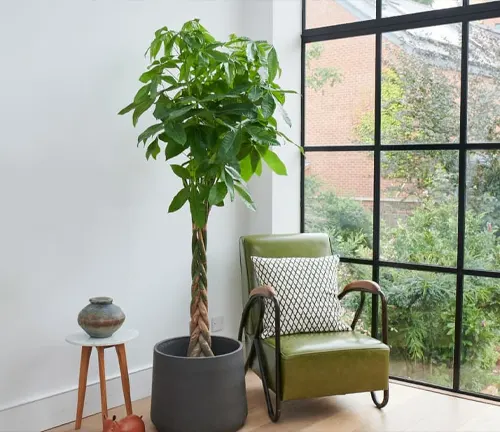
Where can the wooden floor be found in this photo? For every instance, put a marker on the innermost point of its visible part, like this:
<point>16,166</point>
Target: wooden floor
<point>409,409</point>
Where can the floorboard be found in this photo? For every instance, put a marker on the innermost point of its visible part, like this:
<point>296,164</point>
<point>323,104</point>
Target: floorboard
<point>410,409</point>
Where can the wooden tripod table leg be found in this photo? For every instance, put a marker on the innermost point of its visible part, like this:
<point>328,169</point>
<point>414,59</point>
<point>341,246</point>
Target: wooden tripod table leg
<point>82,384</point>
<point>102,382</point>
<point>122,360</point>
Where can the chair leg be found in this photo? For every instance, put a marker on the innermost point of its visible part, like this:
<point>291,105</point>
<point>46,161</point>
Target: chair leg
<point>384,402</point>
<point>274,413</point>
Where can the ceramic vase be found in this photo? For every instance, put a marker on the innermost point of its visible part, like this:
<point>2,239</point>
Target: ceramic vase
<point>101,318</point>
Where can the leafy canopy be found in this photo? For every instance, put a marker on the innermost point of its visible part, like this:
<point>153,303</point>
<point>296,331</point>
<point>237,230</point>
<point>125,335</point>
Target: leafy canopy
<point>215,103</point>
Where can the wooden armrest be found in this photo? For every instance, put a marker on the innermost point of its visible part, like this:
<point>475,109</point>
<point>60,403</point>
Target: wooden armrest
<point>363,286</point>
<point>370,287</point>
<point>264,290</point>
<point>259,295</point>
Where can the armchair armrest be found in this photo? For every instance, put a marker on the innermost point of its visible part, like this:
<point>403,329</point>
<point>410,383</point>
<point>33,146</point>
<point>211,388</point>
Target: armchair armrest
<point>365,286</point>
<point>259,295</point>
<point>264,290</point>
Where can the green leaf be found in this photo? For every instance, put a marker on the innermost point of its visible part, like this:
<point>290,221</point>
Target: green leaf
<point>246,109</point>
<point>149,132</point>
<point>251,51</point>
<point>153,149</point>
<point>285,116</point>
<point>155,48</point>
<point>128,108</point>
<point>181,172</point>
<point>142,94</point>
<point>185,70</point>
<point>170,80</point>
<point>233,173</point>
<point>150,74</point>
<point>245,196</point>
<point>272,64</point>
<point>172,149</point>
<point>203,59</point>
<point>198,212</point>
<point>140,110</point>
<point>255,93</point>
<point>282,135</point>
<point>229,68</point>
<point>230,145</point>
<point>179,112</point>
<point>258,168</point>
<point>246,168</point>
<point>280,96</point>
<point>256,161</point>
<point>273,161</point>
<point>228,180</point>
<point>179,200</point>
<point>220,57</point>
<point>268,105</point>
<point>217,193</point>
<point>168,45</point>
<point>262,135</point>
<point>176,132</point>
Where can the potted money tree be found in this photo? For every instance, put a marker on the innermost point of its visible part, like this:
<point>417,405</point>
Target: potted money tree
<point>213,108</point>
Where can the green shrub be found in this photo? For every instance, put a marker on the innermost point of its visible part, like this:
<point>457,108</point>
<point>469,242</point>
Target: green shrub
<point>343,219</point>
<point>422,304</point>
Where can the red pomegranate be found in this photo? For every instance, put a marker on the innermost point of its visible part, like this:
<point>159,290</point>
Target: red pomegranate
<point>131,423</point>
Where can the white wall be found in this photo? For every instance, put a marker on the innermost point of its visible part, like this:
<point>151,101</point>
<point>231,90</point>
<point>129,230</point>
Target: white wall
<point>278,197</point>
<point>287,28</point>
<point>257,23</point>
<point>82,213</point>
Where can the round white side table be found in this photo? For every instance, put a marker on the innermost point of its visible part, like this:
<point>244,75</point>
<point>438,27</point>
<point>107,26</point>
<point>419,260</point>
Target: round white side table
<point>118,341</point>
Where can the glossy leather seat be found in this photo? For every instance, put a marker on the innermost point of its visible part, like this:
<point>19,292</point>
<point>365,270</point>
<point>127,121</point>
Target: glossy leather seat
<point>315,364</point>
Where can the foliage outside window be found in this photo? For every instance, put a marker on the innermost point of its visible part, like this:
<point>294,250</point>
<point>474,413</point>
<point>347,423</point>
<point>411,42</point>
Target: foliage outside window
<point>421,104</point>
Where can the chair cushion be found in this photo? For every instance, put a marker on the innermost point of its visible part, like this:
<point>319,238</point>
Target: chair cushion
<point>323,364</point>
<point>275,246</point>
<point>307,291</point>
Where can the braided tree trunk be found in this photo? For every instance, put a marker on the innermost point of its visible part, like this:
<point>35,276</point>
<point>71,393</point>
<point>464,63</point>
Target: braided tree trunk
<point>199,344</point>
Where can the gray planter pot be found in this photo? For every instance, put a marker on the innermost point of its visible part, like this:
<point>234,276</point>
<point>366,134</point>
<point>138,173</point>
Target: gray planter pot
<point>198,394</point>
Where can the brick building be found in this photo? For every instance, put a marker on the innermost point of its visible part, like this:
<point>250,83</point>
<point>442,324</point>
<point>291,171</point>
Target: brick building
<point>333,112</point>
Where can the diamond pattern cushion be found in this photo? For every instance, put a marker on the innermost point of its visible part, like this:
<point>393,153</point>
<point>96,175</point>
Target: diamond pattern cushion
<point>307,291</point>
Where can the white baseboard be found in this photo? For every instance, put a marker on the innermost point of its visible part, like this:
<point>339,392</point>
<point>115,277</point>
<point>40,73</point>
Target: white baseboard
<point>57,409</point>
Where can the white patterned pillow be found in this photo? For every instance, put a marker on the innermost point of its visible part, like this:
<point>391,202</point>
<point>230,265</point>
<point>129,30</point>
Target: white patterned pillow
<point>306,289</point>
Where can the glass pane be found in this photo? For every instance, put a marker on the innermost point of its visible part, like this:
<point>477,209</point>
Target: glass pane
<point>482,229</point>
<point>419,207</point>
<point>404,7</point>
<point>421,86</point>
<point>322,13</point>
<point>484,82</point>
<point>480,370</point>
<point>338,200</point>
<point>350,272</point>
<point>421,324</point>
<point>339,94</point>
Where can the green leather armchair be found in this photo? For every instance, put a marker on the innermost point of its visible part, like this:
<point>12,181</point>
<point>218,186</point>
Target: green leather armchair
<point>310,365</point>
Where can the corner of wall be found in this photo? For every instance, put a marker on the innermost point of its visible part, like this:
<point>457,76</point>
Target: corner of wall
<point>287,29</point>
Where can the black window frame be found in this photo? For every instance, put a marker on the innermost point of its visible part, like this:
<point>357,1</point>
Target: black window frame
<point>461,14</point>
